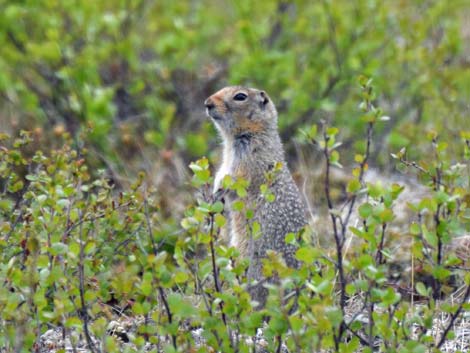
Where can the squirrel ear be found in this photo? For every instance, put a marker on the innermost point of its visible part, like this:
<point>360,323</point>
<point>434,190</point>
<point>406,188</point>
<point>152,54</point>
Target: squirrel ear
<point>264,98</point>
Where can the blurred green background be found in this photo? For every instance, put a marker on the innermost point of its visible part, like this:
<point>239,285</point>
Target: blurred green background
<point>128,78</point>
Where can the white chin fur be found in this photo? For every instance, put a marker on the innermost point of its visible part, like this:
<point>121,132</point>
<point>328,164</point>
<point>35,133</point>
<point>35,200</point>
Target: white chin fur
<point>227,164</point>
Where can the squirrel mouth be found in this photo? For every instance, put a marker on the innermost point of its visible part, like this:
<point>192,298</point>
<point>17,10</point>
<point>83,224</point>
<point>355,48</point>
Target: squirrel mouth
<point>213,114</point>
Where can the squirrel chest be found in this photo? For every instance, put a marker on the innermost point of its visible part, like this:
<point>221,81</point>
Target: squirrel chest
<point>246,119</point>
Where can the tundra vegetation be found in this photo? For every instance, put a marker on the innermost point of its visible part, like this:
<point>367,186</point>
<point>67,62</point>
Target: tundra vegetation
<point>109,234</point>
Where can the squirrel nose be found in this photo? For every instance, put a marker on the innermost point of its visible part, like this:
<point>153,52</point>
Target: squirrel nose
<point>209,103</point>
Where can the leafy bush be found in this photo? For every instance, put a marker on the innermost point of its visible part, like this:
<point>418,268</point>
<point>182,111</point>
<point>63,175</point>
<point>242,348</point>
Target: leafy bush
<point>76,255</point>
<point>138,71</point>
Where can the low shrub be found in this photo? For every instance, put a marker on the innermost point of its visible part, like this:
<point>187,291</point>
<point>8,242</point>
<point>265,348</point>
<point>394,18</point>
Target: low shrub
<point>77,256</point>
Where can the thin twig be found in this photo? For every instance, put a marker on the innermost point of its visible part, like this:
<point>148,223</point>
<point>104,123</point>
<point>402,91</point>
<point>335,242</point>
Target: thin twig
<point>371,322</point>
<point>279,344</point>
<point>421,169</point>
<point>199,285</point>
<point>362,167</point>
<point>338,241</point>
<point>81,276</point>
<point>149,227</point>
<point>454,317</point>
<point>168,313</point>
<point>379,255</point>
<point>361,339</point>
<point>19,218</point>
<point>214,267</point>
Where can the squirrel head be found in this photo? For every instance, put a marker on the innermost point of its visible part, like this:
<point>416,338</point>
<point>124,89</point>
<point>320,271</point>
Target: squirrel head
<point>239,111</point>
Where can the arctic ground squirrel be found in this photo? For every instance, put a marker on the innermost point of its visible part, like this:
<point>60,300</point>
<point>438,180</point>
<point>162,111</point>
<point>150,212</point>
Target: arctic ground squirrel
<point>246,119</point>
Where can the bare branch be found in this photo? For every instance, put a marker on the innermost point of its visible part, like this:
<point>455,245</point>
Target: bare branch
<point>81,276</point>
<point>454,317</point>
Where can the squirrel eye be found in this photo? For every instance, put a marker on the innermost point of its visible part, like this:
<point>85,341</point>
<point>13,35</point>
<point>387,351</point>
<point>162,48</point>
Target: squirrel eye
<point>240,97</point>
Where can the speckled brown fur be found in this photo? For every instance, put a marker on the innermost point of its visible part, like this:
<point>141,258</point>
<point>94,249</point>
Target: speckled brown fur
<point>247,121</point>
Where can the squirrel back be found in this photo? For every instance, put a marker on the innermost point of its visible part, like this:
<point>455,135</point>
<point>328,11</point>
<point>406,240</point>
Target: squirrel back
<point>246,118</point>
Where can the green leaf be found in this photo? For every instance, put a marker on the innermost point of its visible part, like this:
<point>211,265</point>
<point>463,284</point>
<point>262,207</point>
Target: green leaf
<point>332,131</point>
<point>181,277</point>
<point>59,248</point>
<point>220,220</point>
<point>270,197</point>
<point>307,254</point>
<point>180,306</point>
<point>217,207</point>
<point>359,158</point>
<point>356,231</point>
<point>290,238</point>
<point>334,157</point>
<point>238,205</point>
<point>146,288</point>
<point>365,210</point>
<point>429,236</point>
<point>312,132</point>
<point>353,186</point>
<point>441,273</point>
<point>421,289</point>
<point>386,216</point>
<point>256,230</point>
<point>415,229</point>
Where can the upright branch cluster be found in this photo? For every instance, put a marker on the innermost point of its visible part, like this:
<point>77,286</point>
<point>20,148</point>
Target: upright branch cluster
<point>341,215</point>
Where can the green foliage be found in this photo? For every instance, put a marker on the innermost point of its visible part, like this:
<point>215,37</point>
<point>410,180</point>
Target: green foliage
<point>69,245</point>
<point>137,72</point>
<point>76,254</point>
<point>86,240</point>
